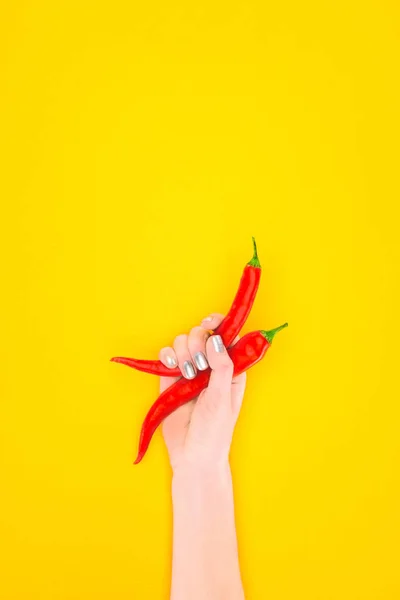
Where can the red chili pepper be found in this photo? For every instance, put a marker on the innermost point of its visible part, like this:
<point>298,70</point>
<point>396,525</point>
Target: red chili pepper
<point>155,367</point>
<point>247,352</point>
<point>243,301</point>
<point>228,329</point>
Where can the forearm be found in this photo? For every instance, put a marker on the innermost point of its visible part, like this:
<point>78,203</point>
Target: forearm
<point>205,558</point>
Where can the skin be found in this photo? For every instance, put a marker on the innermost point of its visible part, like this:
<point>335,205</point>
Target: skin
<point>198,437</point>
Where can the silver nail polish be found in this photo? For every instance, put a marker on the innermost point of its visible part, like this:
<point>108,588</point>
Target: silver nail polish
<point>188,370</point>
<point>218,343</point>
<point>201,361</point>
<point>171,361</point>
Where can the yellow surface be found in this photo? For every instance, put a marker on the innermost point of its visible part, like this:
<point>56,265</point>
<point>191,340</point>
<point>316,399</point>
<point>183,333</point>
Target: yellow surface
<point>142,146</point>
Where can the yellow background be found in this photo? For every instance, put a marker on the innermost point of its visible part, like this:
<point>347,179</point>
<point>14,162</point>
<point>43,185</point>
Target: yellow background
<point>143,144</point>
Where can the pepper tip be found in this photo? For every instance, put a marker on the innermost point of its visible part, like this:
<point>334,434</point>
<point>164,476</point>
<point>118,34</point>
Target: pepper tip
<point>117,359</point>
<point>254,262</point>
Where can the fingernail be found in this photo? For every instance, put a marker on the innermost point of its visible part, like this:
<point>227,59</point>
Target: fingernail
<point>218,343</point>
<point>188,370</point>
<point>171,361</point>
<point>201,361</point>
<point>207,319</point>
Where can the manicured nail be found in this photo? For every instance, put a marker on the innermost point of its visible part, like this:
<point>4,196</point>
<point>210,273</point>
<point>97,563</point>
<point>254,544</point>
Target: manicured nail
<point>171,361</point>
<point>201,361</point>
<point>188,370</point>
<point>218,343</point>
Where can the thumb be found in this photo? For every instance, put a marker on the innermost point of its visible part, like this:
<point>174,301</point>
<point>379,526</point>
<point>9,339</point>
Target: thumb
<point>221,369</point>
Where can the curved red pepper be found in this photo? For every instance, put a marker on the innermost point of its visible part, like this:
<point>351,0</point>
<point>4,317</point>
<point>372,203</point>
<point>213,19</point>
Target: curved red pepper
<point>243,301</point>
<point>228,329</point>
<point>247,352</point>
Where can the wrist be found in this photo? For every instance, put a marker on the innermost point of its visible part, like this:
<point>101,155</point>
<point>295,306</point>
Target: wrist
<point>195,477</point>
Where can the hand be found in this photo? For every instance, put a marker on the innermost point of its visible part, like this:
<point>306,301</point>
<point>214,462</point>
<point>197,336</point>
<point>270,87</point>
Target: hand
<point>199,434</point>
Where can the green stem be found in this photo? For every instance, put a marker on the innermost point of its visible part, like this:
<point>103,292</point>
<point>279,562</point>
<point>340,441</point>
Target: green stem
<point>254,261</point>
<point>269,335</point>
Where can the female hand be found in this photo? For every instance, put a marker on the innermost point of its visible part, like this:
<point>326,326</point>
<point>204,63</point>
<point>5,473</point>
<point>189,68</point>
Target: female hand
<point>199,433</point>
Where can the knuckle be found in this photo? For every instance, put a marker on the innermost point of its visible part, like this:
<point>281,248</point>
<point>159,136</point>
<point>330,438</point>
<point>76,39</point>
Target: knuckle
<point>180,339</point>
<point>198,335</point>
<point>196,331</point>
<point>218,316</point>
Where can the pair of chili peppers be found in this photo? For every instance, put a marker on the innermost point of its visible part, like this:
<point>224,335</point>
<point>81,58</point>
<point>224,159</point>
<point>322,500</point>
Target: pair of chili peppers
<point>248,351</point>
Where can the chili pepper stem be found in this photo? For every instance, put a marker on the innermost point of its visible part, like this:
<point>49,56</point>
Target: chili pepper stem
<point>254,262</point>
<point>269,335</point>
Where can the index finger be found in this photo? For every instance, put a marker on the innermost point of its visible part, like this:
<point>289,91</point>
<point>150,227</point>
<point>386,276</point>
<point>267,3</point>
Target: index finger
<point>212,321</point>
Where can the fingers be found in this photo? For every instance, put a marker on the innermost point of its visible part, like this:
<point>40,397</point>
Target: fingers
<point>168,357</point>
<point>221,365</point>
<point>184,358</point>
<point>212,321</point>
<point>189,351</point>
<point>197,347</point>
